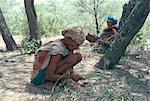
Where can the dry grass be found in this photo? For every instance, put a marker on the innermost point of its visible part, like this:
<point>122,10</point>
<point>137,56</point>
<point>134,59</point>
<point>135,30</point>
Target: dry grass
<point>129,82</point>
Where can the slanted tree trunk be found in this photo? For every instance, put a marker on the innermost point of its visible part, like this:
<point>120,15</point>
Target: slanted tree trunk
<point>32,19</point>
<point>127,8</point>
<point>7,37</point>
<point>128,30</point>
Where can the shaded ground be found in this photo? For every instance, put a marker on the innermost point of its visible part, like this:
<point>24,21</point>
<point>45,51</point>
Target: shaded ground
<point>128,82</point>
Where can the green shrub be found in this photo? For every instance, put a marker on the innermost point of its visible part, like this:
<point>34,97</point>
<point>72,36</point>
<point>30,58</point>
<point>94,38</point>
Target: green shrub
<point>28,47</point>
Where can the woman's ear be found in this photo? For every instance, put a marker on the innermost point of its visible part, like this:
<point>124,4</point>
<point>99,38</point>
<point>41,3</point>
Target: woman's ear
<point>67,38</point>
<point>62,33</point>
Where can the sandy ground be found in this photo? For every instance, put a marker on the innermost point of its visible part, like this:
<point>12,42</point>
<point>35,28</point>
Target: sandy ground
<point>131,75</point>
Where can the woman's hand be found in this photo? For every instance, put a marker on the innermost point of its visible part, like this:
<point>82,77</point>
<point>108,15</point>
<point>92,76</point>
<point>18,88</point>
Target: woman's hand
<point>103,41</point>
<point>81,81</point>
<point>76,77</point>
<point>106,41</point>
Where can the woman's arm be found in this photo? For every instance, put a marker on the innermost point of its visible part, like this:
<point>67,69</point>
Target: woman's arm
<point>50,74</point>
<point>114,33</point>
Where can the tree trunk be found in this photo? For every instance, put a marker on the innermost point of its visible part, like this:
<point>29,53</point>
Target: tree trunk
<point>128,30</point>
<point>127,8</point>
<point>7,37</point>
<point>96,22</point>
<point>96,19</point>
<point>32,19</point>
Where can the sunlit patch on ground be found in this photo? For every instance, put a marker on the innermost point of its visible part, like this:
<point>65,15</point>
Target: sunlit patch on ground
<point>128,82</point>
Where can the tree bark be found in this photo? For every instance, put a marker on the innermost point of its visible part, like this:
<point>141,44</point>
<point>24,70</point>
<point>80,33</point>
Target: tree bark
<point>32,20</point>
<point>96,18</point>
<point>128,30</point>
<point>7,37</point>
<point>127,8</point>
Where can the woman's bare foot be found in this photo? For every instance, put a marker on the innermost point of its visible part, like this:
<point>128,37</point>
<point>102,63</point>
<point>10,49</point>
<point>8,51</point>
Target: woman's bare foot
<point>82,83</point>
<point>76,77</point>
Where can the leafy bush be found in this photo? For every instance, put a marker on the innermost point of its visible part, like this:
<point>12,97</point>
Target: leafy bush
<point>28,47</point>
<point>138,39</point>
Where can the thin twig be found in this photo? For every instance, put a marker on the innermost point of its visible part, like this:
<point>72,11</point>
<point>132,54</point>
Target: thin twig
<point>10,57</point>
<point>58,81</point>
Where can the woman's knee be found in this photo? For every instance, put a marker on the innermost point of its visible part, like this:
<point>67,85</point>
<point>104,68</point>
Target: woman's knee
<point>79,56</point>
<point>75,58</point>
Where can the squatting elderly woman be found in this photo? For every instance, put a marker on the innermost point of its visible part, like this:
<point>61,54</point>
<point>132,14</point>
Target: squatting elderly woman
<point>55,58</point>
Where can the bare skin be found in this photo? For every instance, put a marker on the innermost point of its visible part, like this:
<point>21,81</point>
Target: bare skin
<point>113,32</point>
<point>58,65</point>
<point>92,39</point>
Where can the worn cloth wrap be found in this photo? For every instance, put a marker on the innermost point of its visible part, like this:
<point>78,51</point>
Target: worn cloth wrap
<point>76,33</point>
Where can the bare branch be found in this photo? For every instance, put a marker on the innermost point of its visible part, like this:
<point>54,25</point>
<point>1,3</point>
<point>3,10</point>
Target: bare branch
<point>85,6</point>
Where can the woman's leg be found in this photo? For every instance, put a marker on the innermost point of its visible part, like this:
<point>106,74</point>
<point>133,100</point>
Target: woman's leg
<point>68,63</point>
<point>65,64</point>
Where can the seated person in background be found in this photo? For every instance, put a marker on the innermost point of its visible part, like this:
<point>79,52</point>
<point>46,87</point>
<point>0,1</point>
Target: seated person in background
<point>91,38</point>
<point>107,36</point>
<point>55,58</point>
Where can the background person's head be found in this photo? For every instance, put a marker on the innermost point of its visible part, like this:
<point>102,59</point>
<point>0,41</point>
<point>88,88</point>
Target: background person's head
<point>111,21</point>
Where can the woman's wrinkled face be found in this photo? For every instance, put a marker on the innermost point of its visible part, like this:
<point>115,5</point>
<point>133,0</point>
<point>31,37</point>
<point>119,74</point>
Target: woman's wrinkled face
<point>71,44</point>
<point>109,24</point>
